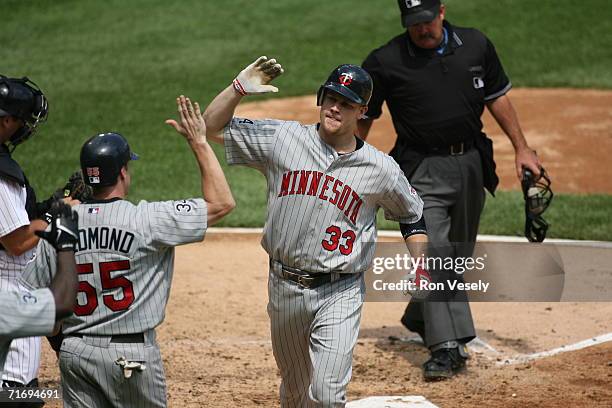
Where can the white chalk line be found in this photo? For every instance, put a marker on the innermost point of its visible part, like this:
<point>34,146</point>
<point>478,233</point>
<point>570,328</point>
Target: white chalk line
<point>524,358</point>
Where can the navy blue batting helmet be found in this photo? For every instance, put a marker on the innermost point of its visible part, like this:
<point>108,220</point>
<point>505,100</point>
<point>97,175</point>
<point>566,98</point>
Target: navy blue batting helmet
<point>350,81</point>
<point>103,156</point>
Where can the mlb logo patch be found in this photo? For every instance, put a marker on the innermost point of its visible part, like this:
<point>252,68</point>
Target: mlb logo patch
<point>478,83</point>
<point>413,3</point>
<point>93,210</point>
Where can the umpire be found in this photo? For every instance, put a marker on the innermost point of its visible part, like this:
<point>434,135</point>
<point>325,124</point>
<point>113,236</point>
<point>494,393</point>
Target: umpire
<point>436,79</point>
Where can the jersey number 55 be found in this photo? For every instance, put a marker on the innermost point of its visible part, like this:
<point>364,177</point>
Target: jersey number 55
<point>108,283</point>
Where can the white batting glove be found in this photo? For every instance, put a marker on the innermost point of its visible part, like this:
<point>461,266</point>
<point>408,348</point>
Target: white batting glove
<point>255,78</point>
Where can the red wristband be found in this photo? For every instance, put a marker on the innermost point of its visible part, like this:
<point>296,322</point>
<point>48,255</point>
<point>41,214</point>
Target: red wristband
<point>238,87</point>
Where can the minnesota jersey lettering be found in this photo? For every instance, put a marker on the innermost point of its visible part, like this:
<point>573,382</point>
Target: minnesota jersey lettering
<point>308,184</point>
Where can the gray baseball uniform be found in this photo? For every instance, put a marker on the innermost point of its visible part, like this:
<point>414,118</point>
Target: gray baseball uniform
<point>321,219</point>
<point>23,357</point>
<point>125,262</point>
<point>25,313</point>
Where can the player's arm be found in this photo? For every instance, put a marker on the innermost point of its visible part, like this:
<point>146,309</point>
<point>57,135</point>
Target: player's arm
<point>415,236</point>
<point>64,284</point>
<point>63,236</point>
<point>252,80</point>
<point>18,241</point>
<point>503,111</point>
<point>215,189</point>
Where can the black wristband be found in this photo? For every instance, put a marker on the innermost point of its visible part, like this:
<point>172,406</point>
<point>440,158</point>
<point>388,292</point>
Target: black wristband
<point>414,228</point>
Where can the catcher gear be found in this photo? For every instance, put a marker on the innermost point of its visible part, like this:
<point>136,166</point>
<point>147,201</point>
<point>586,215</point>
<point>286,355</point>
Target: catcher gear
<point>103,156</point>
<point>75,188</point>
<point>255,78</point>
<point>538,195</point>
<point>63,233</point>
<point>23,99</point>
<point>350,81</point>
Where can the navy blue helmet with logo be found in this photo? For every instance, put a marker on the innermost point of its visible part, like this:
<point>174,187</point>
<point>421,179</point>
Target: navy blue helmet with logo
<point>350,81</point>
<point>103,156</point>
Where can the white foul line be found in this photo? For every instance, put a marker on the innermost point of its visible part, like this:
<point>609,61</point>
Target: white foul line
<point>523,358</point>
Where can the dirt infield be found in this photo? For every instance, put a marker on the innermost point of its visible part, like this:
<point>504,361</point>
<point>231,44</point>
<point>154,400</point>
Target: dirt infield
<point>570,129</point>
<point>217,353</point>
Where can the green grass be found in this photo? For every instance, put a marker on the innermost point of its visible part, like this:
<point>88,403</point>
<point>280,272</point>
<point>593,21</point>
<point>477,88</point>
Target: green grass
<point>119,64</point>
<point>569,216</point>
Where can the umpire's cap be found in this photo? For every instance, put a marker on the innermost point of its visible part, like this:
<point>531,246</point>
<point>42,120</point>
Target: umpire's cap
<point>350,81</point>
<point>418,11</point>
<point>23,99</point>
<point>103,156</point>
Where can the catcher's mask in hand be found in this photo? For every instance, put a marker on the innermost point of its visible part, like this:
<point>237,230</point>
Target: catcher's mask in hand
<point>538,195</point>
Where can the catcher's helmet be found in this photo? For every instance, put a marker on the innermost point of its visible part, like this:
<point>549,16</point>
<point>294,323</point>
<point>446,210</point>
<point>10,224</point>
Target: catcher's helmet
<point>103,156</point>
<point>21,98</point>
<point>350,81</point>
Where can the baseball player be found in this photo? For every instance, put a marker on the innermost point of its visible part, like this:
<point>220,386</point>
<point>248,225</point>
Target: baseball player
<point>30,313</point>
<point>125,256</point>
<point>325,187</point>
<point>23,107</point>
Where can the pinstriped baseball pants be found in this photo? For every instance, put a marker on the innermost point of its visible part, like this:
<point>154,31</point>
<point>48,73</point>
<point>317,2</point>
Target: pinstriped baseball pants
<point>92,379</point>
<point>314,332</point>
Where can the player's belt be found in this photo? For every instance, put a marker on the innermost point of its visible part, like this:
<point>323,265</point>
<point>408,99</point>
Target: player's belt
<point>307,280</point>
<point>115,338</point>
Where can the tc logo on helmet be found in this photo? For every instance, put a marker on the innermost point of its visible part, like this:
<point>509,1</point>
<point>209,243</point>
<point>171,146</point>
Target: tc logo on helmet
<point>346,79</point>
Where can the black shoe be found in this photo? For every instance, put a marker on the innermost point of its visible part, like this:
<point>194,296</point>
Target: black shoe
<point>443,364</point>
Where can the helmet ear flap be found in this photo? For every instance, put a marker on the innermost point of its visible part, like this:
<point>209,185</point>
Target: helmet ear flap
<point>320,95</point>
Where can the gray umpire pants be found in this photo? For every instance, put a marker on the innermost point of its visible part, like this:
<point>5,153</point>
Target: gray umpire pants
<point>453,194</point>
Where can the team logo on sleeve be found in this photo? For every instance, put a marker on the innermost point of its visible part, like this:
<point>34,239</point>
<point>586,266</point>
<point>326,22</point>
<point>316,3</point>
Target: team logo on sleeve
<point>93,174</point>
<point>413,191</point>
<point>183,206</point>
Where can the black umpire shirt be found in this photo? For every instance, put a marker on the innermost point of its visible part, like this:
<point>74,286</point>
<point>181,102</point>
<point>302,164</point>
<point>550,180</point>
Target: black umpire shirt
<point>436,98</point>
